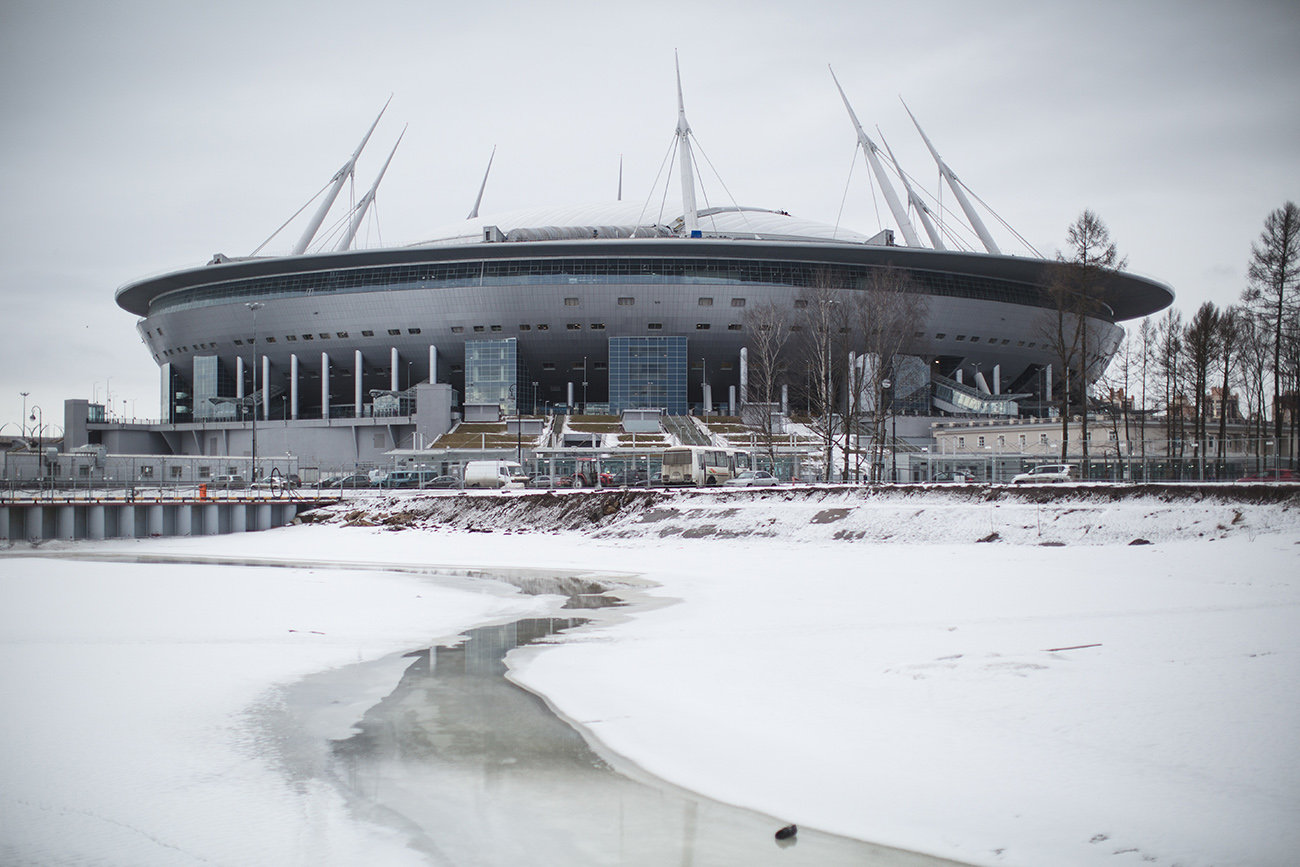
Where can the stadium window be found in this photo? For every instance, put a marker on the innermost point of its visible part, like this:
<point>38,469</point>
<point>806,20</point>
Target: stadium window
<point>270,340</point>
<point>1020,343</point>
<point>598,326</point>
<point>541,326</point>
<point>626,302</point>
<point>496,327</point>
<point>324,336</point>
<point>458,329</point>
<point>654,326</point>
<point>393,332</point>
<point>1042,439</point>
<point>961,442</point>
<point>574,326</point>
<point>548,365</point>
<point>706,302</point>
<point>524,327</point>
<point>577,365</point>
<point>342,335</point>
<point>1022,442</point>
<point>737,302</point>
<point>1031,344</point>
<point>408,331</point>
<point>972,340</point>
<point>735,326</point>
<point>292,338</point>
<point>940,336</point>
<point>1002,440</point>
<point>701,326</point>
<point>308,337</point>
<point>238,342</point>
<point>599,365</point>
<point>1005,341</point>
<point>367,334</point>
<point>727,365</point>
<point>478,329</point>
<point>961,336</point>
<point>571,302</point>
<point>205,472</point>
<point>980,441</point>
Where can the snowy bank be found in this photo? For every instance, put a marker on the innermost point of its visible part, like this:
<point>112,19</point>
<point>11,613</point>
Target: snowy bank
<point>1054,696</point>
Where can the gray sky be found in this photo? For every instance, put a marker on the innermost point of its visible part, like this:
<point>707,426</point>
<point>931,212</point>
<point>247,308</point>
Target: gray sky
<point>145,136</point>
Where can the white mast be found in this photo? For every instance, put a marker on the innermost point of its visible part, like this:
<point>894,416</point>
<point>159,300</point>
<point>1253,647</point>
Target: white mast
<point>869,147</point>
<point>339,177</point>
<point>483,186</point>
<point>922,209</point>
<point>367,200</point>
<point>971,214</point>
<point>690,215</point>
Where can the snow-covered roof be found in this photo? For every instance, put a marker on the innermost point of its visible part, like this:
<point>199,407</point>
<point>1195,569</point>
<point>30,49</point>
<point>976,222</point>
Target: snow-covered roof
<point>631,219</point>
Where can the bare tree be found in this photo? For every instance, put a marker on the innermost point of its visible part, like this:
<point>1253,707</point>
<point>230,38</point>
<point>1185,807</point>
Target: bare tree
<point>1274,274</point>
<point>1227,339</point>
<point>1073,283</point>
<point>822,351</point>
<point>1169,354</point>
<point>1201,342</point>
<point>768,328</point>
<point>886,314</point>
<point>1253,354</point>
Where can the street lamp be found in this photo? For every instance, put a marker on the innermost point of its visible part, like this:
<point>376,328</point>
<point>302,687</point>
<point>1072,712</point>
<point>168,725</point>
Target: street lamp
<point>23,418</point>
<point>584,385</point>
<point>254,306</point>
<point>40,452</point>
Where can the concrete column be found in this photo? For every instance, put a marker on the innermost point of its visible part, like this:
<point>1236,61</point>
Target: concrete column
<point>394,362</point>
<point>785,399</point>
<point>155,519</point>
<point>570,400</point>
<point>356,390</point>
<point>708,398</point>
<point>293,386</point>
<point>211,519</point>
<point>981,384</point>
<point>997,379</point>
<point>184,519</point>
<point>239,376</point>
<point>1047,383</point>
<point>165,392</point>
<point>66,518</point>
<point>266,387</point>
<point>744,378</point>
<point>95,522</point>
<point>731,400</point>
<point>433,364</point>
<point>324,385</point>
<point>957,376</point>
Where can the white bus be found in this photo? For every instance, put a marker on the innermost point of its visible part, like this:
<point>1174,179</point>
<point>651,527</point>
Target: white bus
<point>703,465</point>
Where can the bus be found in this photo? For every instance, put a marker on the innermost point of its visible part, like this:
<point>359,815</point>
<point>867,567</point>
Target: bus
<point>703,465</point>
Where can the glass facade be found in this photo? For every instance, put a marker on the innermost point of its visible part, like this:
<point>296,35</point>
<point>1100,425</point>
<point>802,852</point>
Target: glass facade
<point>647,372</point>
<point>212,380</point>
<point>496,373</point>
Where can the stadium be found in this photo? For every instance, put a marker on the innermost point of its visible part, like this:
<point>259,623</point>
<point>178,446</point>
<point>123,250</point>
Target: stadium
<point>592,309</point>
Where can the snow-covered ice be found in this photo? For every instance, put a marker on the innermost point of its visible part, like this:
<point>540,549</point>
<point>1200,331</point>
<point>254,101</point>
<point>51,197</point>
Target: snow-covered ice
<point>910,693</point>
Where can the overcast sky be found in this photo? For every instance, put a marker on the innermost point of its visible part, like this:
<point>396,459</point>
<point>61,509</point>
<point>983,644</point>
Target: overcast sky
<point>142,137</point>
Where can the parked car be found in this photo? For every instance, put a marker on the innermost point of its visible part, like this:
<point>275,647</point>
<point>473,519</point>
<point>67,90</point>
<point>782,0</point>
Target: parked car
<point>442,482</point>
<point>228,483</point>
<point>1044,474</point>
<point>959,478</point>
<point>356,480</point>
<point>750,479</point>
<point>629,478</point>
<point>1278,475</point>
<point>544,482</point>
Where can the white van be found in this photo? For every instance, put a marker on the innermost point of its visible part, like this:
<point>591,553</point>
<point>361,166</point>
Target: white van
<point>494,474</point>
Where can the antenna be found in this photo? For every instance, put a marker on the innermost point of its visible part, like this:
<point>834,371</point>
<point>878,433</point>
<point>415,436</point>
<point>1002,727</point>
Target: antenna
<point>367,200</point>
<point>483,186</point>
<point>967,208</point>
<point>922,209</point>
<point>339,177</point>
<point>869,147</point>
<point>690,216</point>
<point>620,177</point>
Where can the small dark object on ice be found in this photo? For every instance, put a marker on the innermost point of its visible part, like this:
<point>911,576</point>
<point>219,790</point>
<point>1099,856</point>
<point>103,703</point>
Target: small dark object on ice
<point>787,832</point>
<point>1140,542</point>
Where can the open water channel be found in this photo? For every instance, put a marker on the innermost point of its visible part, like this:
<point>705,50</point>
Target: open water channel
<point>476,770</point>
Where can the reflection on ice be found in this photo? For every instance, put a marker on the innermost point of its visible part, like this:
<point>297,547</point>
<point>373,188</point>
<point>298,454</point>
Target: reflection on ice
<point>489,775</point>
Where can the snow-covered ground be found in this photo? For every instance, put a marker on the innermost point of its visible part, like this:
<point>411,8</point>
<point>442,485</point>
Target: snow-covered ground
<point>1085,702</point>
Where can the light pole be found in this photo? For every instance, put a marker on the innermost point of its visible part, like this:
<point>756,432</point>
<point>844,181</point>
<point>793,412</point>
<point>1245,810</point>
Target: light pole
<point>40,452</point>
<point>254,306</point>
<point>584,385</point>
<point>534,410</point>
<point>23,418</point>
<point>886,388</point>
